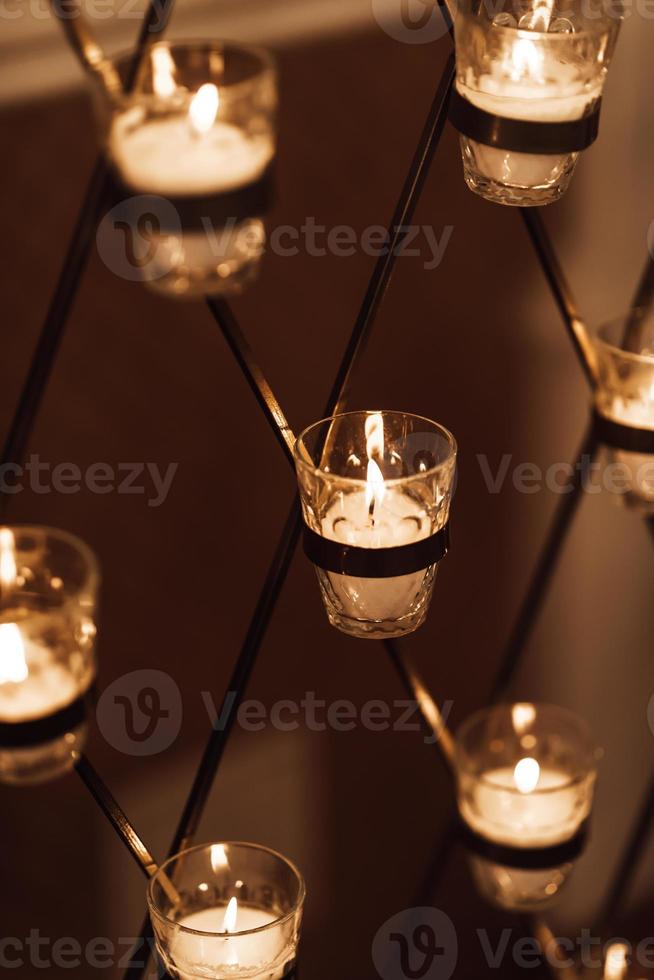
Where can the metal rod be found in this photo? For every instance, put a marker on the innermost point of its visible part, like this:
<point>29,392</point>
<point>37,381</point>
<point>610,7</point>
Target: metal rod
<point>545,567</point>
<point>577,329</point>
<point>431,716</point>
<point>118,820</point>
<point>70,277</point>
<point>254,375</point>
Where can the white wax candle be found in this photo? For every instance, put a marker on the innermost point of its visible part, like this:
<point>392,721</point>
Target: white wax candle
<point>166,156</point>
<point>256,956</point>
<point>633,411</point>
<point>528,93</point>
<point>32,684</point>
<point>397,520</point>
<point>550,814</point>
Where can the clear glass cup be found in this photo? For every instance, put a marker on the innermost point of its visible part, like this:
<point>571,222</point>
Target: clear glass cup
<point>624,350</point>
<point>198,130</point>
<point>525,774</point>
<point>376,480</point>
<point>227,910</point>
<point>544,61</point>
<point>518,889</point>
<point>48,593</point>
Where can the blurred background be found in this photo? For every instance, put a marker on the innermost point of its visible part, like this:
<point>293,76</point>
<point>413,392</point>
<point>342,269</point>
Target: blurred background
<point>475,343</point>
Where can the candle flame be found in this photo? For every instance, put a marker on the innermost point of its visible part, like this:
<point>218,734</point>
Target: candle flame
<point>8,571</point>
<point>526,775</point>
<point>13,666</point>
<point>231,914</point>
<point>374,429</point>
<point>218,857</point>
<point>204,108</point>
<point>163,71</point>
<point>375,488</point>
<point>539,18</point>
<point>615,967</point>
<point>523,716</point>
<point>526,61</point>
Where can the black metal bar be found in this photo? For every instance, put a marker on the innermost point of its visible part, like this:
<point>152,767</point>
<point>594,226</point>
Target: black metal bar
<point>254,375</point>
<point>381,276</point>
<point>561,291</point>
<point>433,723</point>
<point>116,816</point>
<point>71,274</point>
<point>545,567</point>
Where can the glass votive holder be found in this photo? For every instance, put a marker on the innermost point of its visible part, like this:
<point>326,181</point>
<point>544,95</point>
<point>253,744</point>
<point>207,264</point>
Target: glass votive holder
<point>376,489</point>
<point>525,774</point>
<point>227,910</point>
<point>518,889</point>
<point>529,81</point>
<point>48,590</point>
<point>198,130</point>
<point>624,403</point>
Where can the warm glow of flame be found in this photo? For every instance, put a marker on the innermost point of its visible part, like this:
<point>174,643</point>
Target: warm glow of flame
<point>163,71</point>
<point>374,429</point>
<point>523,715</point>
<point>615,967</point>
<point>8,569</point>
<point>13,666</point>
<point>204,108</point>
<point>375,488</point>
<point>231,914</point>
<point>526,775</point>
<point>218,857</point>
<point>526,61</point>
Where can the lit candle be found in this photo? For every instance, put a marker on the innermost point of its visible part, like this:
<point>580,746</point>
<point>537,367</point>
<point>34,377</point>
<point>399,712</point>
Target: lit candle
<point>506,808</point>
<point>252,955</point>
<point>179,146</point>
<point>376,481</point>
<point>530,84</point>
<point>32,684</point>
<point>376,517</point>
<point>227,910</point>
<point>525,775</point>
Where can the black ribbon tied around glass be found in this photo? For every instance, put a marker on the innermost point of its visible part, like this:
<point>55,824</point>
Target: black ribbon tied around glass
<point>525,858</point>
<point>345,559</point>
<point>38,731</point>
<point>523,135</point>
<point>626,437</point>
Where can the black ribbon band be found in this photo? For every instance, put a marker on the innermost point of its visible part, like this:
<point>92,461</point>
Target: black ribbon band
<point>208,213</point>
<point>527,858</point>
<point>26,734</point>
<point>625,437</point>
<point>346,559</point>
<point>523,135</point>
